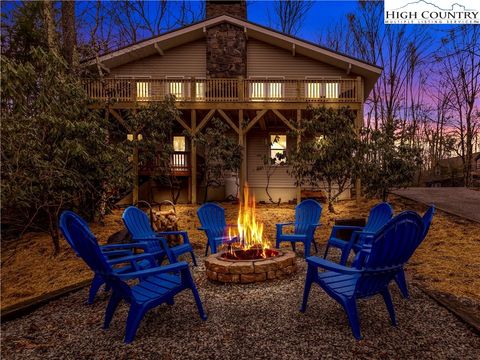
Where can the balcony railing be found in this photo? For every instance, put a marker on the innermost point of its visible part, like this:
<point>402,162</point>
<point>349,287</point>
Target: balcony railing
<point>179,165</point>
<point>226,90</point>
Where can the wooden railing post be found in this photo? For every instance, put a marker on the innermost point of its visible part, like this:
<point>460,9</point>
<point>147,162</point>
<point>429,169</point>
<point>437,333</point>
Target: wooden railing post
<point>359,92</point>
<point>299,94</point>
<point>240,88</point>
<point>133,89</point>
<point>193,89</point>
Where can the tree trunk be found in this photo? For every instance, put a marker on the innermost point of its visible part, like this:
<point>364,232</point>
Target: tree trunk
<point>49,19</point>
<point>69,33</point>
<point>53,230</point>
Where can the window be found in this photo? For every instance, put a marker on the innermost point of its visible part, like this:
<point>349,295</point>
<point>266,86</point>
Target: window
<point>278,148</point>
<point>179,143</point>
<point>176,88</point>
<point>143,90</point>
<point>317,89</point>
<point>257,90</point>
<point>262,89</point>
<point>200,89</point>
<point>179,157</point>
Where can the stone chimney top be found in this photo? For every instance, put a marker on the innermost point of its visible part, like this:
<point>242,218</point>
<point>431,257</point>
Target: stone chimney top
<point>233,8</point>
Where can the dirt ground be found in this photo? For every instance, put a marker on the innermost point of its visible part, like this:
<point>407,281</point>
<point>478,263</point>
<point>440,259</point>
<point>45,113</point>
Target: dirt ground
<point>448,260</point>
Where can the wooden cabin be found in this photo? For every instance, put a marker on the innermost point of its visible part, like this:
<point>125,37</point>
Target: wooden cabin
<point>258,80</point>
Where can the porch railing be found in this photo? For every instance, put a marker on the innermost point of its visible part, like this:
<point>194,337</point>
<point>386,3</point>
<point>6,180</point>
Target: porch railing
<point>179,165</point>
<point>225,90</point>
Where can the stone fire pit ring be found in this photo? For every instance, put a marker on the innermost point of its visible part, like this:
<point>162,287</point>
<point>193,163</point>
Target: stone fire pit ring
<point>250,271</point>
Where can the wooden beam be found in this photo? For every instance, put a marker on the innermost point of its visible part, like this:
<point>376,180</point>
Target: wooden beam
<point>284,119</point>
<point>159,49</point>
<point>183,123</point>
<point>189,105</point>
<point>243,165</point>
<point>119,118</point>
<point>262,124</point>
<point>349,68</point>
<point>228,120</point>
<point>254,120</point>
<point>104,67</point>
<point>193,161</point>
<point>205,120</point>
<point>293,49</point>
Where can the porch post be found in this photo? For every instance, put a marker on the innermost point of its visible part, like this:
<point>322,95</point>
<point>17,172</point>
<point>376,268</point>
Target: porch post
<point>193,161</point>
<point>299,140</point>
<point>243,166</point>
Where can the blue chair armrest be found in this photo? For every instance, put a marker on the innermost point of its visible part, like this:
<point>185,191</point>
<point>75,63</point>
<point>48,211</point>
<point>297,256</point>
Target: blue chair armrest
<point>179,266</point>
<point>202,228</point>
<point>182,233</point>
<point>135,245</point>
<point>131,258</point>
<point>331,266</point>
<point>285,224</point>
<point>116,253</point>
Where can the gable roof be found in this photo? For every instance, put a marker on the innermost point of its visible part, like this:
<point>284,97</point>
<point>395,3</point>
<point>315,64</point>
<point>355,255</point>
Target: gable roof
<point>197,31</point>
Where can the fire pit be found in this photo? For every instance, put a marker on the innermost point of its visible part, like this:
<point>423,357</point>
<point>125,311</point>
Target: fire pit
<point>251,259</point>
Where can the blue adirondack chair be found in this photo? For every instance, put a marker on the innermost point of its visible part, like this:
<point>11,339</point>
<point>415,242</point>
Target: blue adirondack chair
<point>307,218</point>
<point>212,219</point>
<point>400,277</point>
<point>374,267</point>
<point>112,251</point>
<point>157,284</point>
<point>379,215</point>
<point>138,224</point>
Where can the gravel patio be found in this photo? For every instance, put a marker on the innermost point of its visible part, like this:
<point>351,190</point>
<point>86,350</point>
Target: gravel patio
<point>258,321</point>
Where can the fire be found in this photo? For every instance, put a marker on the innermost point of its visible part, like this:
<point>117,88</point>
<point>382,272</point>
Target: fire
<point>250,232</point>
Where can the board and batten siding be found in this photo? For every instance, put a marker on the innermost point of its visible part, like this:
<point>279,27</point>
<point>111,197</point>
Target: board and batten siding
<point>267,60</point>
<point>185,60</point>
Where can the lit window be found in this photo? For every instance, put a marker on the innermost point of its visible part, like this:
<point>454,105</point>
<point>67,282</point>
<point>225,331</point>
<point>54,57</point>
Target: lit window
<point>331,90</point>
<point>176,88</point>
<point>143,90</point>
<point>257,90</point>
<point>317,90</point>
<point>275,90</point>
<point>200,90</point>
<point>314,90</point>
<point>278,148</point>
<point>179,143</point>
<point>179,157</point>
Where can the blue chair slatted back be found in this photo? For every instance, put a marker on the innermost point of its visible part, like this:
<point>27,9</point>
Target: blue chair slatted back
<point>138,224</point>
<point>391,247</point>
<point>307,213</point>
<point>67,214</point>
<point>427,220</point>
<point>212,218</point>
<point>379,215</point>
<point>86,245</point>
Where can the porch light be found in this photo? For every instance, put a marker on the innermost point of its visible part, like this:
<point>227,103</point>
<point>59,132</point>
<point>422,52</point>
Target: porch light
<point>130,137</point>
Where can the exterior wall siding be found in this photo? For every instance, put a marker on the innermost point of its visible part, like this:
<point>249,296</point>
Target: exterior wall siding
<point>186,60</point>
<point>267,60</point>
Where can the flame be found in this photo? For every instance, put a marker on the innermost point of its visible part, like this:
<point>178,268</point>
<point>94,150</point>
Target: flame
<point>250,232</point>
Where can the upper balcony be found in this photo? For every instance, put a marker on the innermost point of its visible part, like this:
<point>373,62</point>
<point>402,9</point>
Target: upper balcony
<point>131,90</point>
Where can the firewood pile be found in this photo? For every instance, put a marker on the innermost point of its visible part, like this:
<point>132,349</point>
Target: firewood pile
<point>166,220</point>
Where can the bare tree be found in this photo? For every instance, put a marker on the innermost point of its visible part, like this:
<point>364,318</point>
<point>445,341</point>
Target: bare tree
<point>289,15</point>
<point>459,57</point>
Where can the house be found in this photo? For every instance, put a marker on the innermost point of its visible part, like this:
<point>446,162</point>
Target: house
<point>258,80</point>
<point>449,172</point>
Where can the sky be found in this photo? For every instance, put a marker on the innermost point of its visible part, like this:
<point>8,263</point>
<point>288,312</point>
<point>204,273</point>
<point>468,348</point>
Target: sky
<point>319,18</point>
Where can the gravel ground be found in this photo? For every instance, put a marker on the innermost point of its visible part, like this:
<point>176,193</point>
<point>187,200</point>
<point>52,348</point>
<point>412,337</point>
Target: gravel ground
<point>258,321</point>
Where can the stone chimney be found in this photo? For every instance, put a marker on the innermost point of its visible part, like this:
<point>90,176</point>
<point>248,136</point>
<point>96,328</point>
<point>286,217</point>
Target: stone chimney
<point>226,43</point>
<point>233,8</point>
